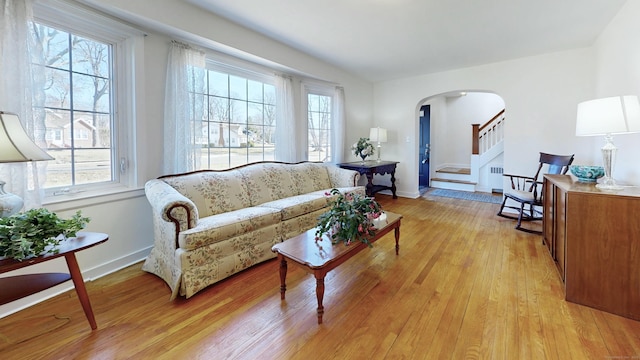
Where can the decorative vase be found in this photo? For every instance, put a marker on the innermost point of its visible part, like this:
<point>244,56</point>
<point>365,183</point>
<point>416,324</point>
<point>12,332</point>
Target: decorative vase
<point>363,157</point>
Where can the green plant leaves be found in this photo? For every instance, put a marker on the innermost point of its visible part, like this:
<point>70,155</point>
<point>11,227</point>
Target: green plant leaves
<point>36,232</point>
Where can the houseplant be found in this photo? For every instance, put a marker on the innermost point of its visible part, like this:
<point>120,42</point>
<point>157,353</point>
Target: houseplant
<point>349,219</point>
<point>36,232</point>
<point>363,148</point>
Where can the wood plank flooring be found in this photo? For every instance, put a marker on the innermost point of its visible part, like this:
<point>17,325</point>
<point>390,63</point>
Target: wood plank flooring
<point>466,285</point>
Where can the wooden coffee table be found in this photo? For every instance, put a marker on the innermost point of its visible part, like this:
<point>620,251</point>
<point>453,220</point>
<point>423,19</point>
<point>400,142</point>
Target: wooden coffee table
<point>321,257</point>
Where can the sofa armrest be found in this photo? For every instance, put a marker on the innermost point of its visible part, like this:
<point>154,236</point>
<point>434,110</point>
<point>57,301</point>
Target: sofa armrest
<point>342,177</point>
<point>171,206</point>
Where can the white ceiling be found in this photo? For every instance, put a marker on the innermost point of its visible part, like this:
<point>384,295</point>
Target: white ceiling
<point>386,39</point>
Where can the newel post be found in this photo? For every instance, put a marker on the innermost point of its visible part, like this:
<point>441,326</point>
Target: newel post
<point>475,139</point>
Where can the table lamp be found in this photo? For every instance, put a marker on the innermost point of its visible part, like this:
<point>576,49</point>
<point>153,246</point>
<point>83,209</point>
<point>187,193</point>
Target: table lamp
<point>15,146</point>
<point>608,116</point>
<point>379,135</point>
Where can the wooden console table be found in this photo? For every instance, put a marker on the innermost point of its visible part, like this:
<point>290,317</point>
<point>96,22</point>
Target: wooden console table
<point>19,286</point>
<point>374,167</point>
<point>594,238</point>
<point>321,257</point>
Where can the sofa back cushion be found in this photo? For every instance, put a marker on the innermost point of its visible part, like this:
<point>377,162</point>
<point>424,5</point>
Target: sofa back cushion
<point>213,192</point>
<point>268,182</point>
<point>309,177</point>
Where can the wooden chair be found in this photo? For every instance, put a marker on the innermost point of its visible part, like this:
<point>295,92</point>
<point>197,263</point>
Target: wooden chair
<point>527,191</point>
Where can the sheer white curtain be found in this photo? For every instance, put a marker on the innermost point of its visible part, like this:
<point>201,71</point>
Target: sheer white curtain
<point>21,88</point>
<point>183,109</point>
<point>338,126</point>
<point>286,127</point>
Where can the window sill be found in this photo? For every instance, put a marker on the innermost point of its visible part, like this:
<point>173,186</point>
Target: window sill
<point>83,199</point>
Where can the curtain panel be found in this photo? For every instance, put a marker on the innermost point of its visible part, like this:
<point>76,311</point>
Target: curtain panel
<point>22,93</point>
<point>184,109</point>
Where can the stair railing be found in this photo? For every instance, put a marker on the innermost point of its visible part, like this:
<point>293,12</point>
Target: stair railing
<point>487,135</point>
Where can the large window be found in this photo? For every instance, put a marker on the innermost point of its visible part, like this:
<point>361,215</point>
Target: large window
<point>78,107</point>
<point>239,126</point>
<point>88,92</point>
<point>319,119</point>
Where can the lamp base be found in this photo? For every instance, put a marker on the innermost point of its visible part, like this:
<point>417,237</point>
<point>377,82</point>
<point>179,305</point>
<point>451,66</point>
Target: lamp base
<point>9,203</point>
<point>609,184</point>
<point>608,160</point>
<point>378,152</point>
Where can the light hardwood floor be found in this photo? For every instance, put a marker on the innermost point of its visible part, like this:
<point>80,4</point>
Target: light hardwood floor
<point>466,285</point>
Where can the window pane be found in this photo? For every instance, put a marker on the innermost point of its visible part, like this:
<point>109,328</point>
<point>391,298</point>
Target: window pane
<point>319,127</point>
<point>92,165</point>
<point>90,57</point>
<point>255,91</point>
<point>55,46</point>
<point>218,84</point>
<point>57,88</point>
<point>237,88</point>
<point>218,109</point>
<point>269,94</point>
<point>238,112</point>
<point>255,114</point>
<point>90,93</point>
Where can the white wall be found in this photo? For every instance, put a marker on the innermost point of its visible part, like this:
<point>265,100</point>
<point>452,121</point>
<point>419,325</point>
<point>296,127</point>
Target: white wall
<point>127,218</point>
<point>540,95</point>
<point>618,73</point>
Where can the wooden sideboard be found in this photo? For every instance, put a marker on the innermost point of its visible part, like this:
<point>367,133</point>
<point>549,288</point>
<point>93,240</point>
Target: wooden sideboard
<point>594,238</point>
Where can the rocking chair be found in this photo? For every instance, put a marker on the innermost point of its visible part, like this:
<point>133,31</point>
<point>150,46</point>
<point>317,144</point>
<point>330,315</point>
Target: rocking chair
<point>527,191</point>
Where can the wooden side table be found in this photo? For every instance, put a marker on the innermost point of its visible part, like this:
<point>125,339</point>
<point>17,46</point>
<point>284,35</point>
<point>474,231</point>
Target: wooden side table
<point>19,286</point>
<point>371,167</point>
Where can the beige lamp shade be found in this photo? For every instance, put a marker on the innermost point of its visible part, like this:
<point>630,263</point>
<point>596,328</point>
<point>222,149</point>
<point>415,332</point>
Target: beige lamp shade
<point>15,144</point>
<point>612,115</point>
<point>378,134</point>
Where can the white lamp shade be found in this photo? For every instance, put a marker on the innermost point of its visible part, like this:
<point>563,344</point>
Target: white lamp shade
<point>378,134</point>
<point>613,115</point>
<point>15,144</point>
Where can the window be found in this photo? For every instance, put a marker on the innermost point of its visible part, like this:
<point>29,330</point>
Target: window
<point>319,120</point>
<point>239,124</point>
<point>82,53</point>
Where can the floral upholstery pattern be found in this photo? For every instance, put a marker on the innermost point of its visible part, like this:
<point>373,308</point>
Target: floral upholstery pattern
<point>216,228</point>
<point>209,225</point>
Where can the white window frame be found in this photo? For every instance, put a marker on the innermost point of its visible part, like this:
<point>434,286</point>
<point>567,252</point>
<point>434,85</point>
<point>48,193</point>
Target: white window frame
<point>314,88</point>
<point>128,61</point>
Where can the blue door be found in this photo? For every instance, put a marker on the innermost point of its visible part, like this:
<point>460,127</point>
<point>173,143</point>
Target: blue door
<point>425,148</point>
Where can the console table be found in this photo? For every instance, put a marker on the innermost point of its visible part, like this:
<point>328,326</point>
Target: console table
<point>374,167</point>
<point>594,238</point>
<point>19,286</point>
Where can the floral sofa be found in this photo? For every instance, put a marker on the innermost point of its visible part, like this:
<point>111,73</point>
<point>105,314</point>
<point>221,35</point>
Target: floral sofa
<point>209,225</point>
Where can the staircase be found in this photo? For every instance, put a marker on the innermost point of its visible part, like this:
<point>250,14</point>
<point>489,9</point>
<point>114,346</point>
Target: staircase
<point>484,172</point>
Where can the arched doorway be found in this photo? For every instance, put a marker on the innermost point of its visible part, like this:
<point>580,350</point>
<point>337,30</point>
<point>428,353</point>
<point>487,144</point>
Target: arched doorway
<point>444,122</point>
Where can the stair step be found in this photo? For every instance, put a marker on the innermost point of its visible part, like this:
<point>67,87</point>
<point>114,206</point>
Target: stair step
<point>455,170</point>
<point>454,181</point>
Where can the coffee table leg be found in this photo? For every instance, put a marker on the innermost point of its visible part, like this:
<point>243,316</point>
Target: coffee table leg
<point>283,276</point>
<point>320,294</point>
<point>397,234</point>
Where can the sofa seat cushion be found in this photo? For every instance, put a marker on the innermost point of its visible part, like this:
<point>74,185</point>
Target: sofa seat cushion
<point>298,205</point>
<point>224,226</point>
